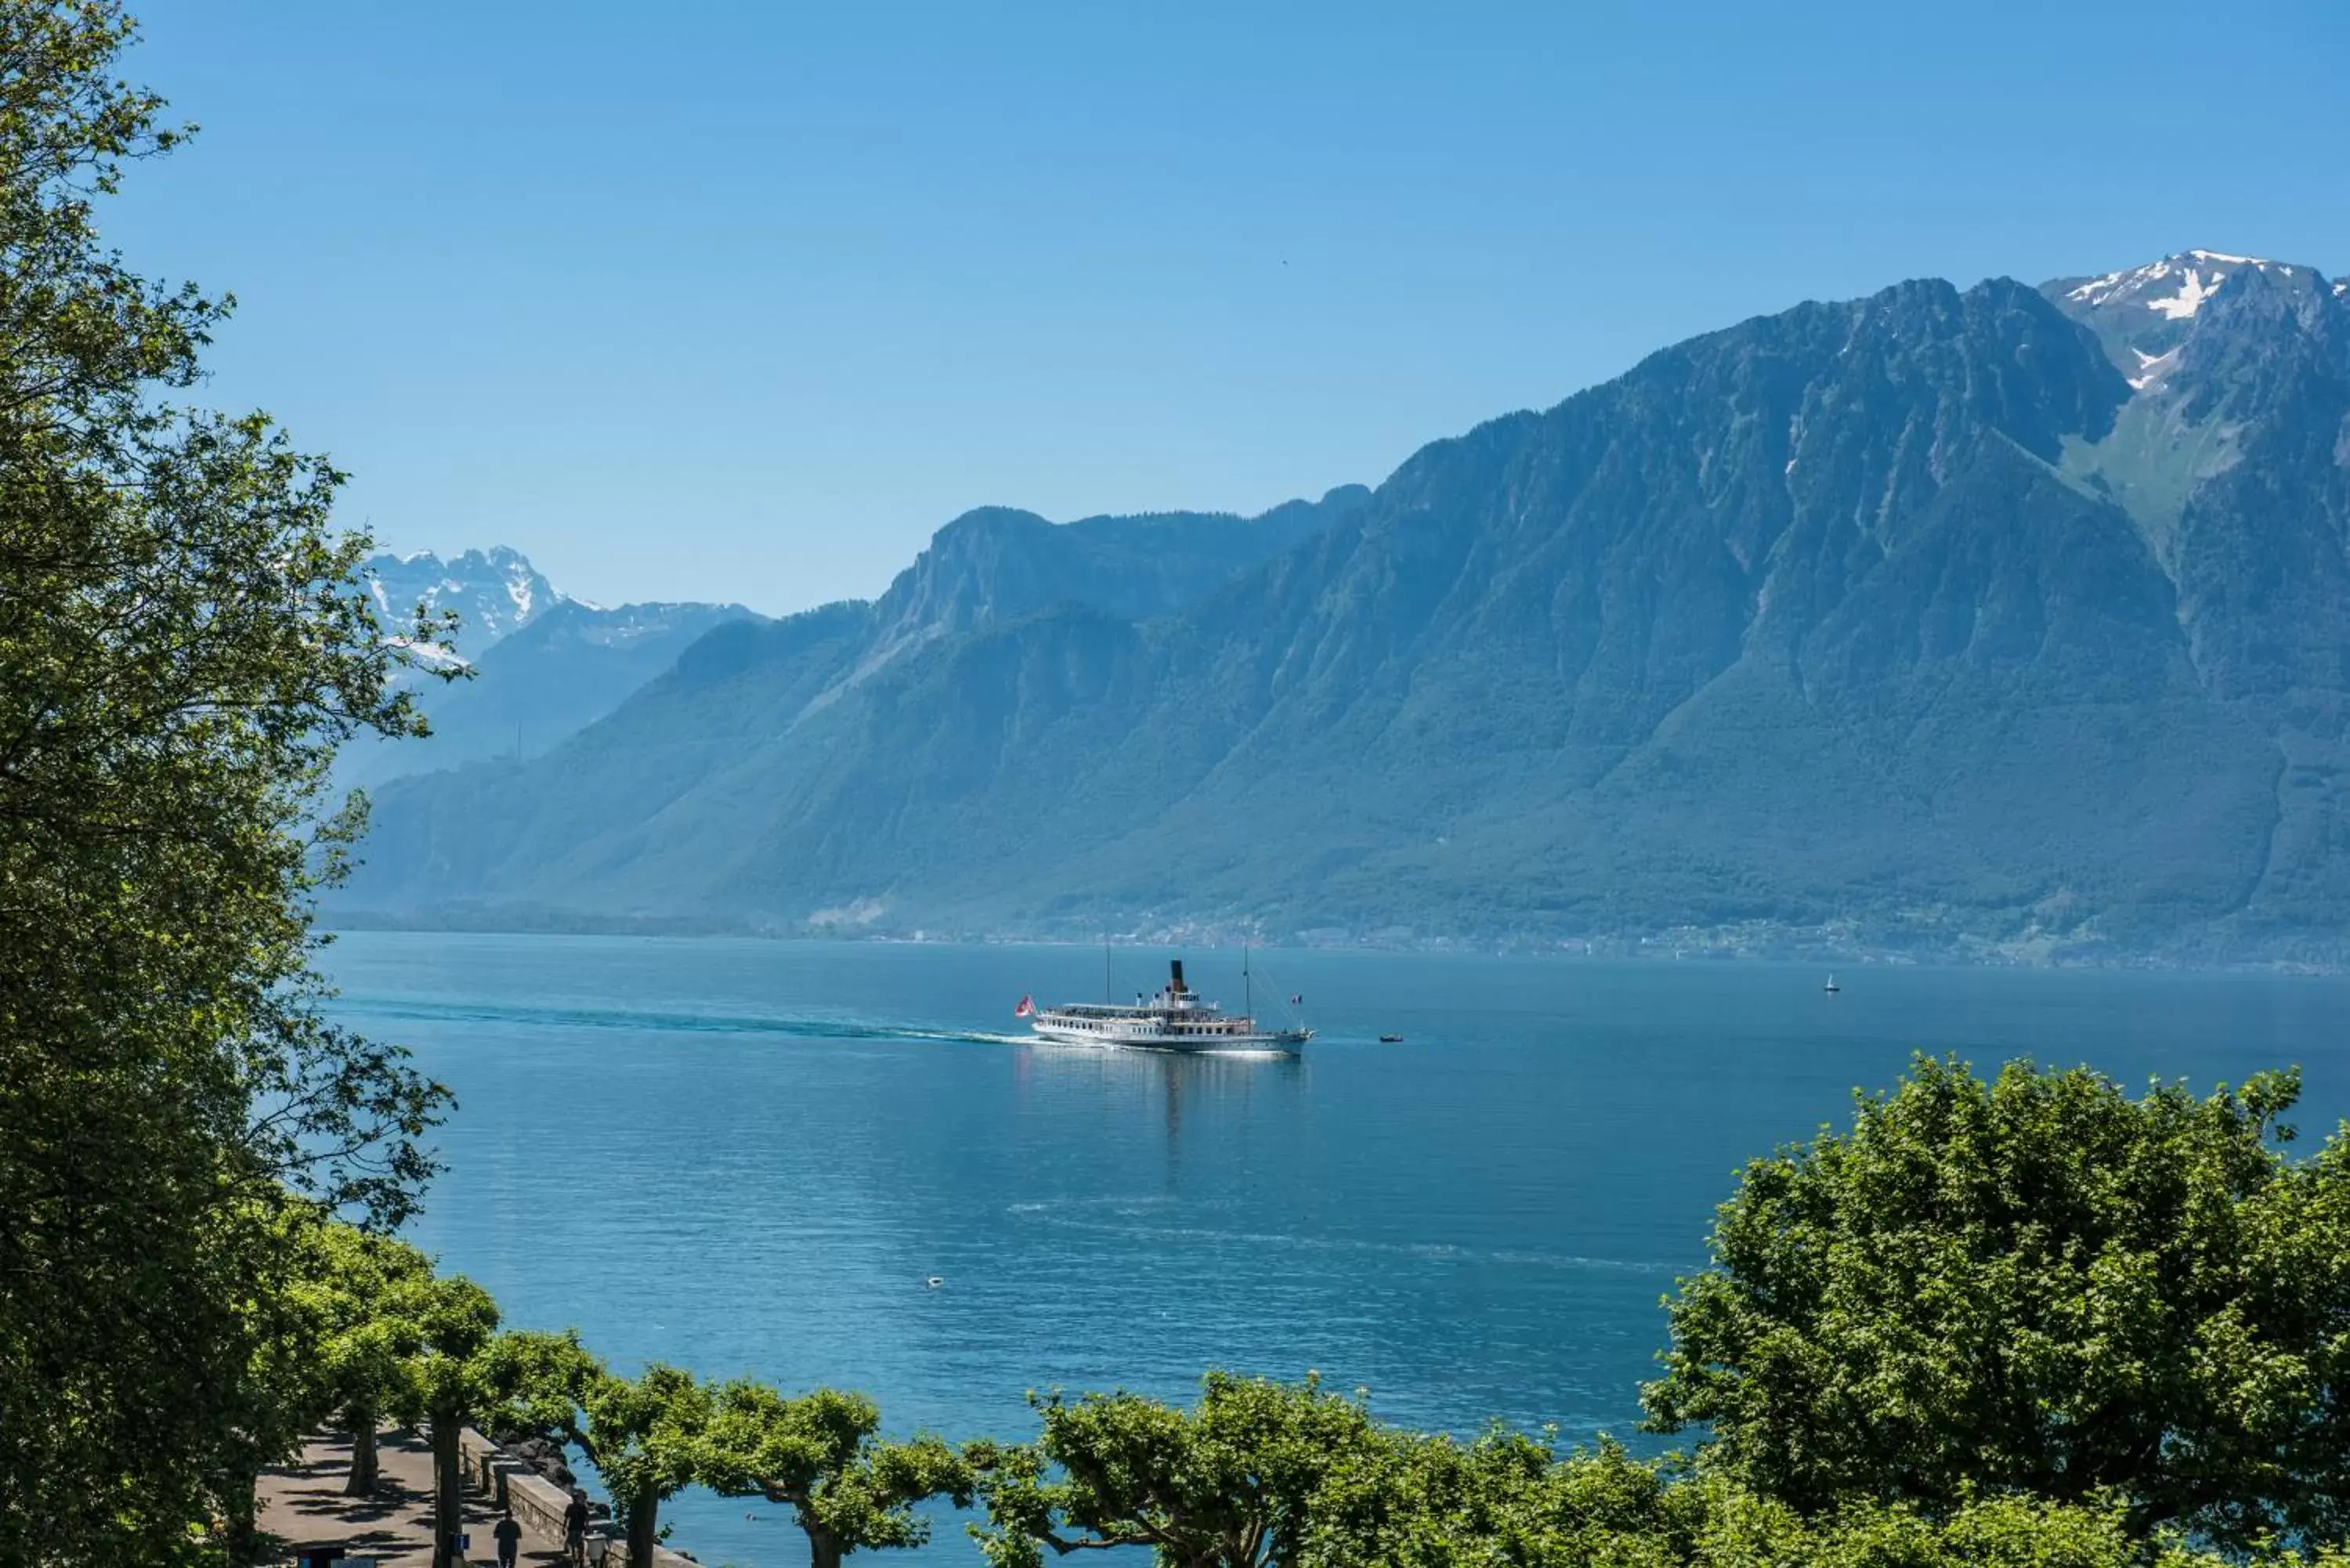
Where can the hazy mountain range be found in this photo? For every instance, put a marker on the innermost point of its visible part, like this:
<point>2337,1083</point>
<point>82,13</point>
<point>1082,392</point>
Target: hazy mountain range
<point>1999,620</point>
<point>543,665</point>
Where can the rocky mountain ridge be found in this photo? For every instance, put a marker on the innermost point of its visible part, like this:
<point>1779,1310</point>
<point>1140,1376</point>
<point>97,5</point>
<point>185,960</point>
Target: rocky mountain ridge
<point>493,592</point>
<point>2004,619</point>
<point>539,664</point>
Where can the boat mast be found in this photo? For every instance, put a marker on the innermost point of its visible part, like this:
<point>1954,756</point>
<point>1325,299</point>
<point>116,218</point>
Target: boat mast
<point>1108,1000</point>
<point>1248,990</point>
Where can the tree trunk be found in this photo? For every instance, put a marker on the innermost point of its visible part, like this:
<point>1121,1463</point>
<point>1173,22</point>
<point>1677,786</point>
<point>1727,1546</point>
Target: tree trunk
<point>239,1510</point>
<point>644,1529</point>
<point>824,1546</point>
<point>361,1482</point>
<point>448,1498</point>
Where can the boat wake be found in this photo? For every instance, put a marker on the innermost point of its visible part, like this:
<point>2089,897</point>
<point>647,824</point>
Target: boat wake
<point>408,1010</point>
<point>1078,1214</point>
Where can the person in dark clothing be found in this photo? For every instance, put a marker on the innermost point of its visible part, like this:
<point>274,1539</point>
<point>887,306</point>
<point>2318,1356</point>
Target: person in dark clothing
<point>575,1528</point>
<point>508,1535</point>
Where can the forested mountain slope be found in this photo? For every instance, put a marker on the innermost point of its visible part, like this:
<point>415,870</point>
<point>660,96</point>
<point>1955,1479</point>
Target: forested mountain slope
<point>1939,619</point>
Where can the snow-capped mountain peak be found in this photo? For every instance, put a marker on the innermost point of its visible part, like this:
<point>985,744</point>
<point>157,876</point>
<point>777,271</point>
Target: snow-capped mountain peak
<point>496,593</point>
<point>2158,323</point>
<point>2174,288</point>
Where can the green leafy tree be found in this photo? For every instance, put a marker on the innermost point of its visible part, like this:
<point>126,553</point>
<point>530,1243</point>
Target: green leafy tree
<point>358,1282</point>
<point>644,1436</point>
<point>442,1330</point>
<point>521,1378</point>
<point>1408,1499</point>
<point>183,641</point>
<point>1713,1523</point>
<point>287,1388</point>
<point>1231,1483</point>
<point>454,1369</point>
<point>1415,1501</point>
<point>2034,1283</point>
<point>849,1490</point>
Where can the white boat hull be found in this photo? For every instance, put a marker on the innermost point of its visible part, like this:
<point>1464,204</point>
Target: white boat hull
<point>1144,1037</point>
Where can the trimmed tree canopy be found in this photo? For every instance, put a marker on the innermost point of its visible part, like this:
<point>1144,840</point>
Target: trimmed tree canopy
<point>849,1490</point>
<point>1231,1483</point>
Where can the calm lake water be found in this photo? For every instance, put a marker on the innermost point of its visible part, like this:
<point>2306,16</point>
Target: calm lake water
<point>747,1156</point>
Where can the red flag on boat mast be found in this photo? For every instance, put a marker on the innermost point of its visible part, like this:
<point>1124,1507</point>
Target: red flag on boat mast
<point>1028,1008</point>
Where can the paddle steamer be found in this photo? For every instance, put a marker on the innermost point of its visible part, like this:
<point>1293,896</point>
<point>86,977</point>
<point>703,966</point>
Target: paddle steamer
<point>1174,1020</point>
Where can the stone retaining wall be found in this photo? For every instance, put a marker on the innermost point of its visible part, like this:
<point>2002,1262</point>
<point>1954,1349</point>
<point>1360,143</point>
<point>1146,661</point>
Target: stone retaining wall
<point>538,1503</point>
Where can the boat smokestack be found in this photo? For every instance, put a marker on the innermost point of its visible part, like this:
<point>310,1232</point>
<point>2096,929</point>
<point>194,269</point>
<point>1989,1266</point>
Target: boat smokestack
<point>1175,969</point>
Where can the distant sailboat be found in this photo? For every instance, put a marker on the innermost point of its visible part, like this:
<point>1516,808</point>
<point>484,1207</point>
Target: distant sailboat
<point>1832,986</point>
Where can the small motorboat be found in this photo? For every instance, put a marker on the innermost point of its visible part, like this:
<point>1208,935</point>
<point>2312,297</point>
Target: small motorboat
<point>1831,987</point>
<point>933,1282</point>
<point>1390,1039</point>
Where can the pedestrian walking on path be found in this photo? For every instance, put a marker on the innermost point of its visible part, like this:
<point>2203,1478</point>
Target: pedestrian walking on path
<point>575,1530</point>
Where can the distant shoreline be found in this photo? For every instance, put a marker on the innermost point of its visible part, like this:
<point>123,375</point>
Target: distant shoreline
<point>1758,945</point>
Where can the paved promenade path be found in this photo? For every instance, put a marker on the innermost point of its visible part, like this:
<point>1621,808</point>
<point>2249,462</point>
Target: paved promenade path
<point>303,1505</point>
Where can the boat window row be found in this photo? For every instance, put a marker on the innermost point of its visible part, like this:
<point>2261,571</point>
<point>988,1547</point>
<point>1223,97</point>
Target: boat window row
<point>1072,1019</point>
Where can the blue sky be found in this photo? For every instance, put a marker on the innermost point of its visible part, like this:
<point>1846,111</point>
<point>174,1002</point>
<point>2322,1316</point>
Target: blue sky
<point>742,301</point>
